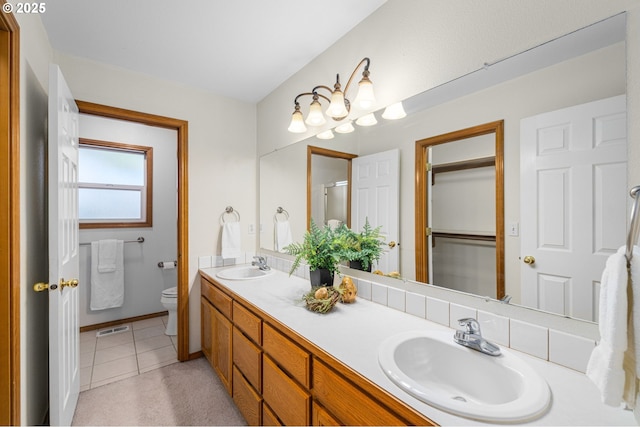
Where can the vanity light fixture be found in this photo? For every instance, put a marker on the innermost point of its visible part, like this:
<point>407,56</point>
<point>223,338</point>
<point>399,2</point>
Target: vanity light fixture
<point>345,128</point>
<point>327,134</point>
<point>367,120</point>
<point>394,112</point>
<point>339,105</point>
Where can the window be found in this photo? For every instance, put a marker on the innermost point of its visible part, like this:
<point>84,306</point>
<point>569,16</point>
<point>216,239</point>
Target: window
<point>114,185</point>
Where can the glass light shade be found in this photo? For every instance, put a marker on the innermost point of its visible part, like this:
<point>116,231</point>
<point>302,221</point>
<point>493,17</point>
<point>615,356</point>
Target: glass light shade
<point>365,99</point>
<point>297,123</point>
<point>394,112</point>
<point>327,134</point>
<point>367,120</point>
<point>315,117</point>
<point>345,128</point>
<point>337,109</point>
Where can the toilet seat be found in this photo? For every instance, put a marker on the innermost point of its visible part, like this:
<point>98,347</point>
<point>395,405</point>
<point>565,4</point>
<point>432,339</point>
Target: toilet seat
<point>170,292</point>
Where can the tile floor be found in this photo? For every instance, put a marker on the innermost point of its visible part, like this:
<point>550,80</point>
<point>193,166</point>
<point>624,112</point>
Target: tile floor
<point>125,354</point>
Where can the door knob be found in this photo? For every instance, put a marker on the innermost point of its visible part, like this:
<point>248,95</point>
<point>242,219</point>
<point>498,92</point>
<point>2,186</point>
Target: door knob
<point>71,283</point>
<point>529,260</point>
<point>40,287</point>
<point>393,244</point>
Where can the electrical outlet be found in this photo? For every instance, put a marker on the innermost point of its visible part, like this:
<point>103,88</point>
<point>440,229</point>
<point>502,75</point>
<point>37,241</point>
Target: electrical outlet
<point>252,229</point>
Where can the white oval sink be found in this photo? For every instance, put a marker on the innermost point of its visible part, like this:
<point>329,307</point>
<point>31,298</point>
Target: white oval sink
<point>433,368</point>
<point>245,272</point>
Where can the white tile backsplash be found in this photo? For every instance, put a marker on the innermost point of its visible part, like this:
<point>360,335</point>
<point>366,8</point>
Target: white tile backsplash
<point>416,304</point>
<point>396,298</point>
<point>558,347</point>
<point>364,289</point>
<point>494,328</point>
<point>457,312</point>
<point>205,261</point>
<point>569,350</point>
<point>438,311</point>
<point>379,293</point>
<point>529,338</point>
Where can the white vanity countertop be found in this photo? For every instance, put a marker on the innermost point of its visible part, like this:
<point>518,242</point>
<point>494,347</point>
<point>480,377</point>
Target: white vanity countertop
<point>352,333</point>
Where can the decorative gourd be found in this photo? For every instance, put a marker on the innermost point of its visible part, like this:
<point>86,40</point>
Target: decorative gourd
<point>348,290</point>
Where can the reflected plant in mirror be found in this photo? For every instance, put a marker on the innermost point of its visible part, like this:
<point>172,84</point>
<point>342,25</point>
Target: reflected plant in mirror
<point>360,249</point>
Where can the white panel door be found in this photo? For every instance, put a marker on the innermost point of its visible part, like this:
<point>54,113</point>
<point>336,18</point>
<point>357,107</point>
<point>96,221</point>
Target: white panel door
<point>573,165</point>
<point>375,195</point>
<point>64,371</point>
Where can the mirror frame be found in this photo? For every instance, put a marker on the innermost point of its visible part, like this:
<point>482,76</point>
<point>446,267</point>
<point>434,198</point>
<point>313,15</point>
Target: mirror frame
<point>421,211</point>
<point>319,151</point>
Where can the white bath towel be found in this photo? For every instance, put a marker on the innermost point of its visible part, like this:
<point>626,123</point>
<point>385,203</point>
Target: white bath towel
<point>107,253</point>
<point>283,235</point>
<point>107,288</point>
<point>612,366</point>
<point>231,240</point>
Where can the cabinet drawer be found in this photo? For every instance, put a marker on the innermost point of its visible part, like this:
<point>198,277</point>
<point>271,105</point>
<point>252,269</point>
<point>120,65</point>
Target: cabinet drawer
<point>248,358</point>
<point>290,402</point>
<point>338,395</point>
<point>248,323</point>
<point>268,417</point>
<point>246,399</point>
<point>219,299</point>
<point>287,354</point>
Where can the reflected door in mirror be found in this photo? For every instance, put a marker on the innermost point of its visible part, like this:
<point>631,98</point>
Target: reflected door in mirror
<point>573,203</point>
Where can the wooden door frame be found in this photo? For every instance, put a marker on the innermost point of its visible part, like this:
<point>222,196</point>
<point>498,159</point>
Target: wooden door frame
<point>181,127</point>
<point>422,250</point>
<point>10,220</point>
<point>336,155</point>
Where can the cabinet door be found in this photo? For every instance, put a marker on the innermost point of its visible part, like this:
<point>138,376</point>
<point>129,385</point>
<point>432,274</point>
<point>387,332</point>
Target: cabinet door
<point>323,418</point>
<point>222,348</point>
<point>206,329</point>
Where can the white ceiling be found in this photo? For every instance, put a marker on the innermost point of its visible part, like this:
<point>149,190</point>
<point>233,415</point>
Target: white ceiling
<point>241,49</point>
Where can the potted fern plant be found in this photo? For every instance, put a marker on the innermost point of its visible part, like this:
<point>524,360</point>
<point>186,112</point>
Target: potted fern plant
<point>365,247</point>
<point>319,250</point>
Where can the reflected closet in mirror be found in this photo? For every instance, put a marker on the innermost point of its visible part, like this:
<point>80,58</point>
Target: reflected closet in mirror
<point>460,210</point>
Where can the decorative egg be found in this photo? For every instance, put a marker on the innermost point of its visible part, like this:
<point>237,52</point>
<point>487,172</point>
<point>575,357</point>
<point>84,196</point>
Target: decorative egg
<point>322,293</point>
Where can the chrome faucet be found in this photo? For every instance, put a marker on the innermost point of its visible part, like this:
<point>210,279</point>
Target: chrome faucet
<point>472,338</point>
<point>261,262</point>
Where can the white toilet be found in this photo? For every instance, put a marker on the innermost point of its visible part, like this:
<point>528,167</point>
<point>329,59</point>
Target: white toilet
<point>170,301</point>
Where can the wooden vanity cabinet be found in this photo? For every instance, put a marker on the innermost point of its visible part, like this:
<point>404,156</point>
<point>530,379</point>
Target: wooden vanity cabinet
<point>277,377</point>
<point>217,331</point>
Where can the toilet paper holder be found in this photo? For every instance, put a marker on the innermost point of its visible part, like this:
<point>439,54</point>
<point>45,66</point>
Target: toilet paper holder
<point>167,264</point>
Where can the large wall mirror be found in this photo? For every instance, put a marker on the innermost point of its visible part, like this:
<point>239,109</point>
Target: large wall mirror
<point>581,67</point>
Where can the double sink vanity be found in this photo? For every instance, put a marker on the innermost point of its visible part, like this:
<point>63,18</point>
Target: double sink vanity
<point>367,364</point>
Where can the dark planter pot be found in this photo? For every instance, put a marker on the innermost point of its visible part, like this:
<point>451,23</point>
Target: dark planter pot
<point>321,277</point>
<point>357,265</point>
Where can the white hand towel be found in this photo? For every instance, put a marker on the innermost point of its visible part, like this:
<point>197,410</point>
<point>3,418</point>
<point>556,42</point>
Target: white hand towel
<point>231,240</point>
<point>605,366</point>
<point>107,255</point>
<point>283,236</point>
<point>107,288</point>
